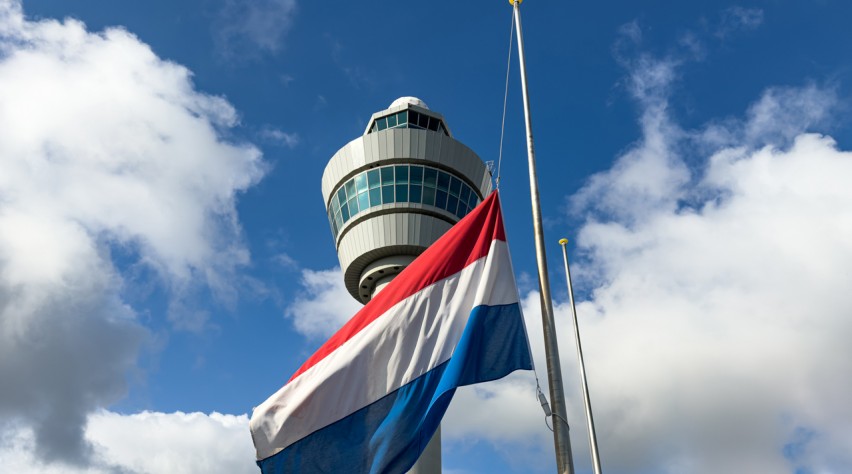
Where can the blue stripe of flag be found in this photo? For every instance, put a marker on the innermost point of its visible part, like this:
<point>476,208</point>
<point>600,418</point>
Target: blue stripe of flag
<point>394,431</point>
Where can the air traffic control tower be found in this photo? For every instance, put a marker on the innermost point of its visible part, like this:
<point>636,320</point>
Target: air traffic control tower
<point>391,193</point>
<point>395,190</point>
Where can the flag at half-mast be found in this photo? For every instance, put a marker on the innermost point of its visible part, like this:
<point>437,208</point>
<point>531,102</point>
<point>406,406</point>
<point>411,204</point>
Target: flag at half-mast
<point>370,399</point>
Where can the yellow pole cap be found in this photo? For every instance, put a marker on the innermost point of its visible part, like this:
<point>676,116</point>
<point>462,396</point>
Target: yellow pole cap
<point>563,241</point>
<point>512,2</point>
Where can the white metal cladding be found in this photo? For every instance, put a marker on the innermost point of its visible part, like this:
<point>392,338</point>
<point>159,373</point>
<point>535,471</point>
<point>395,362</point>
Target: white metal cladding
<point>385,235</point>
<point>405,146</point>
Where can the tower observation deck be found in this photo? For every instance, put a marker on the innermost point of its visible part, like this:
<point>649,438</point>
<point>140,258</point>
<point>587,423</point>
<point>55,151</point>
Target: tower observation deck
<point>395,190</point>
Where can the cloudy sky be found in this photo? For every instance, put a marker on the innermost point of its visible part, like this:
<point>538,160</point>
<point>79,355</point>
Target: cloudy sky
<point>166,263</point>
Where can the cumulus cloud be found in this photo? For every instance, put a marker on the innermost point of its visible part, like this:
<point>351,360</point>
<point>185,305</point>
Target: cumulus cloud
<point>782,113</point>
<point>650,175</point>
<point>717,301</point>
<point>506,414</point>
<point>715,329</point>
<point>110,159</point>
<point>325,304</point>
<point>147,442</point>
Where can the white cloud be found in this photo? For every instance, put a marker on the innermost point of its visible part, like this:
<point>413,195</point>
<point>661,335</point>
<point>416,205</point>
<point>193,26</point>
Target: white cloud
<point>245,28</point>
<point>148,443</point>
<point>717,330</point>
<point>784,112</point>
<point>280,137</point>
<point>324,306</point>
<point>716,319</point>
<point>284,260</point>
<point>737,18</point>
<point>650,175</point>
<point>105,149</point>
<point>631,31</point>
<point>506,414</point>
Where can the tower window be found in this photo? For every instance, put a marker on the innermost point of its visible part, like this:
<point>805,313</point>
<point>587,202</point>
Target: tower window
<point>400,184</point>
<point>409,119</point>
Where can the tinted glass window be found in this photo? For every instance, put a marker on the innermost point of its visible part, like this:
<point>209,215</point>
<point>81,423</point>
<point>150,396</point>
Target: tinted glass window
<point>455,186</point>
<point>408,119</point>
<point>375,196</point>
<point>390,184</point>
<point>373,178</point>
<point>429,196</point>
<point>430,177</point>
<point>465,194</point>
<point>452,204</point>
<point>387,194</point>
<point>416,174</point>
<point>415,193</point>
<point>443,181</point>
<point>387,175</point>
<point>361,182</point>
<point>401,192</point>
<point>401,174</point>
<point>441,199</point>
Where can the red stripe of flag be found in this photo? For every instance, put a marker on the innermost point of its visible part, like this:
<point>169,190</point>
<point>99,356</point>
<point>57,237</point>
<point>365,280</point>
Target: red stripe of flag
<point>466,242</point>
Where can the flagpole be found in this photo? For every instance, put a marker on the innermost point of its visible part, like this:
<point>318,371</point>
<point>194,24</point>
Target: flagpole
<point>561,439</point>
<point>593,439</point>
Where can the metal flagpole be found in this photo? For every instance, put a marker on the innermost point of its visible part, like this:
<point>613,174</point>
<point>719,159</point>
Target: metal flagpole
<point>561,440</point>
<point>593,439</point>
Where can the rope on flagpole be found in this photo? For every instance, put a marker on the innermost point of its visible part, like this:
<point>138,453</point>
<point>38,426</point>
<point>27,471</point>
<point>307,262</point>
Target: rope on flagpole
<point>505,98</point>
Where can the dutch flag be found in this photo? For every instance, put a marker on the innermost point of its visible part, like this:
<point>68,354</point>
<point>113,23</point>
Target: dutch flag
<point>370,399</point>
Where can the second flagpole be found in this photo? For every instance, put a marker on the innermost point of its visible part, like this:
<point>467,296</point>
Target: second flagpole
<point>561,439</point>
<point>587,400</point>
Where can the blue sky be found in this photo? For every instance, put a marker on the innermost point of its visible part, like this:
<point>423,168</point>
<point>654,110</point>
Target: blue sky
<point>166,261</point>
